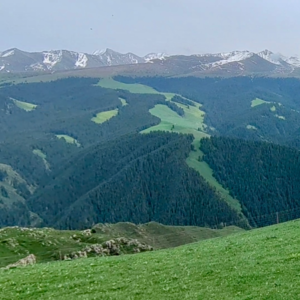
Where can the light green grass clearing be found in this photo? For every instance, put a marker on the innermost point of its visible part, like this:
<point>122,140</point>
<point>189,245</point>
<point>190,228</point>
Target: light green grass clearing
<point>68,139</point>
<point>257,102</point>
<point>251,127</point>
<point>273,108</point>
<point>258,264</point>
<point>280,117</point>
<point>172,122</point>
<point>104,116</point>
<point>206,172</point>
<point>43,156</point>
<point>135,88</point>
<point>24,105</point>
<point>123,101</point>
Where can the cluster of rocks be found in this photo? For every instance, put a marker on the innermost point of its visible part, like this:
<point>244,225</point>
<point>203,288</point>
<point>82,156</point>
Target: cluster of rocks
<point>112,247</point>
<point>29,260</point>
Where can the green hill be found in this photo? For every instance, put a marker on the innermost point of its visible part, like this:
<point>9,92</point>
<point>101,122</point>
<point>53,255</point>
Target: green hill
<point>48,244</point>
<point>260,264</point>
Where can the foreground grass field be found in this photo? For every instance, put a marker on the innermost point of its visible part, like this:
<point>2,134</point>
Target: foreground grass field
<point>260,264</point>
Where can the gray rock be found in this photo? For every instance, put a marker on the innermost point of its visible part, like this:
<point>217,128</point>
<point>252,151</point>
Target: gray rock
<point>29,260</point>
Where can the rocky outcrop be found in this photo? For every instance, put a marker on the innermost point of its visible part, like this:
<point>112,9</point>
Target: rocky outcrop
<point>29,260</point>
<point>116,246</point>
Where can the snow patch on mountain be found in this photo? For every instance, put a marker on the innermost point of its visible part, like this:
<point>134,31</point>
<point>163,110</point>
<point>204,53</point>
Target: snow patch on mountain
<point>133,58</point>
<point>152,56</point>
<point>7,53</point>
<point>294,61</point>
<point>100,52</point>
<point>52,58</point>
<point>272,57</point>
<point>81,61</point>
<point>37,67</point>
<point>230,57</point>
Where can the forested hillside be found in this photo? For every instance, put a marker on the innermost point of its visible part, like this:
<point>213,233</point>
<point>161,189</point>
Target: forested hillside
<point>263,176</point>
<point>138,178</point>
<point>75,152</point>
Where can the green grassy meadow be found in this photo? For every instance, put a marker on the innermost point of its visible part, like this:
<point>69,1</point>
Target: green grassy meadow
<point>257,102</point>
<point>68,139</point>
<point>43,156</point>
<point>123,101</point>
<point>259,264</point>
<point>251,127</point>
<point>206,172</point>
<point>110,83</point>
<point>24,105</point>
<point>104,116</point>
<point>280,117</point>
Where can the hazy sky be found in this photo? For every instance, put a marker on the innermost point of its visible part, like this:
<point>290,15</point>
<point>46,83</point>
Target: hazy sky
<point>143,26</point>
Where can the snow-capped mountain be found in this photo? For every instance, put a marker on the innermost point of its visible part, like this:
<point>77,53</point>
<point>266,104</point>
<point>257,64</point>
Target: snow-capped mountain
<point>236,63</point>
<point>230,63</point>
<point>15,60</point>
<point>152,56</point>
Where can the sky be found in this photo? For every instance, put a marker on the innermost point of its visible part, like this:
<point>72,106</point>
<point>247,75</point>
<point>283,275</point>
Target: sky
<point>144,26</point>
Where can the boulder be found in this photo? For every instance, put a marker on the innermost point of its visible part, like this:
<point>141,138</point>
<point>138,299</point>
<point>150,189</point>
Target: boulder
<point>29,260</point>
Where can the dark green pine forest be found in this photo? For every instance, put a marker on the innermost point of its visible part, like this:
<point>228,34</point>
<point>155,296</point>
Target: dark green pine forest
<point>72,153</point>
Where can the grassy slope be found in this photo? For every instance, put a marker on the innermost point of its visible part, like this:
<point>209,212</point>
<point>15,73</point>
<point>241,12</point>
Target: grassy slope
<point>123,101</point>
<point>251,127</point>
<point>257,102</point>
<point>280,117</point>
<point>43,156</point>
<point>12,178</point>
<point>260,264</point>
<point>68,139</point>
<point>204,169</point>
<point>24,105</point>
<point>104,116</point>
<point>12,196</point>
<point>47,244</point>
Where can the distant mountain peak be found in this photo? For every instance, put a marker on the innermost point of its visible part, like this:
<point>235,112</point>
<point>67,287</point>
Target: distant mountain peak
<point>274,58</point>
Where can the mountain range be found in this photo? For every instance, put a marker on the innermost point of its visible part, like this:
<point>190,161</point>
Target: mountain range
<point>15,60</point>
<point>228,64</point>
